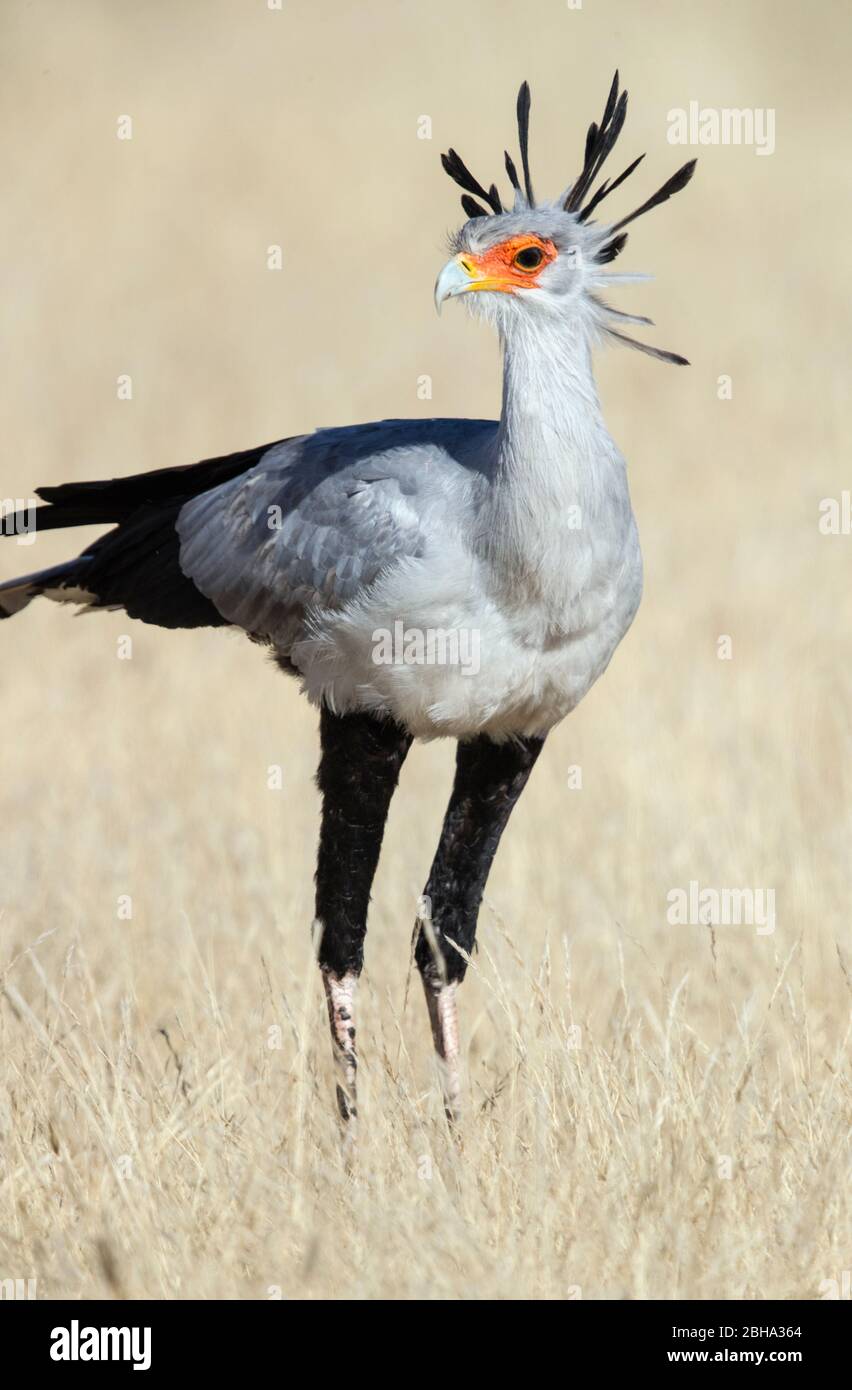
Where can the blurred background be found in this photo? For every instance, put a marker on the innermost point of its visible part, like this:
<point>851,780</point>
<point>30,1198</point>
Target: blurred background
<point>148,778</point>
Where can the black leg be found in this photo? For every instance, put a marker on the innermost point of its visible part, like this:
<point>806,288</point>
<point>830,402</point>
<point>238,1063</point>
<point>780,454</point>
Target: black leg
<point>358,772</point>
<point>489,779</point>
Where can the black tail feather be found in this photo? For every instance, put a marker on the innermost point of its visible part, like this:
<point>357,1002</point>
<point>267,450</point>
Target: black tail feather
<point>15,594</point>
<point>115,499</point>
<point>135,566</point>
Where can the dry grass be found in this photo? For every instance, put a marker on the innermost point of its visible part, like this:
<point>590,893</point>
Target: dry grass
<point>165,1118</point>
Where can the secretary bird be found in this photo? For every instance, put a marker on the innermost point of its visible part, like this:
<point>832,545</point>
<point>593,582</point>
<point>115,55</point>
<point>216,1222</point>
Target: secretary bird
<point>518,531</point>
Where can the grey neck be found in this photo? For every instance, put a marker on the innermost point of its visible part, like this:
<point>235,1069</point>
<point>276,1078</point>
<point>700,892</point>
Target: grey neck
<point>555,465</point>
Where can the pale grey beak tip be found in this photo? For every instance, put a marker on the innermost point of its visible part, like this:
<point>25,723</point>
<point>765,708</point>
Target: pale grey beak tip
<point>452,280</point>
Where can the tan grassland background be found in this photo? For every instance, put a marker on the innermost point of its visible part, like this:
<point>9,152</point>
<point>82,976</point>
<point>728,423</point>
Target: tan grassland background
<point>653,1110</point>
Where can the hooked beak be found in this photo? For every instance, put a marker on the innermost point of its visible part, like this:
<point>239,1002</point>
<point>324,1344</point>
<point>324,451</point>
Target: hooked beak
<point>460,275</point>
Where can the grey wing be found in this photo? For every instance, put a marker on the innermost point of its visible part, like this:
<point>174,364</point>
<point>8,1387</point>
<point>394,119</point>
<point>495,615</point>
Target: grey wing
<point>301,528</point>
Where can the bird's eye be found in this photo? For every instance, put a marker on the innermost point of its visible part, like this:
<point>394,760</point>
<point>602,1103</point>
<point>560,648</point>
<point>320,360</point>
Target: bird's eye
<point>530,258</point>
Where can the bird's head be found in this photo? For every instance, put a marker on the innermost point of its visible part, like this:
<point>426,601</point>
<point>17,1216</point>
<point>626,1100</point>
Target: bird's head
<point>545,258</point>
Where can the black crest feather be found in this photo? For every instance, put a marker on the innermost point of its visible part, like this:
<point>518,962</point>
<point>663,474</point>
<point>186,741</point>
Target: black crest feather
<point>600,140</point>
<point>671,186</point>
<point>455,166</point>
<point>606,188</point>
<point>661,354</point>
<point>611,250</point>
<point>524,138</point>
<point>471,206</point>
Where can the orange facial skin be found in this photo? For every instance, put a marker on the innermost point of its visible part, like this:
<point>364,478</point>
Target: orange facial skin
<point>497,268</point>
